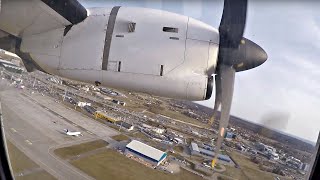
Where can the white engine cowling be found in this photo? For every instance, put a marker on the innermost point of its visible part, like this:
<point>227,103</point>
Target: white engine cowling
<point>136,49</point>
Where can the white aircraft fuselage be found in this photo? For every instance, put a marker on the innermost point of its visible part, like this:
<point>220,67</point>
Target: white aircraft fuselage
<point>136,49</point>
<point>72,133</point>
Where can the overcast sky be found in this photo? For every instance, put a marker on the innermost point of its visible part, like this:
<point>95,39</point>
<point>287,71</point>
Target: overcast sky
<point>289,82</point>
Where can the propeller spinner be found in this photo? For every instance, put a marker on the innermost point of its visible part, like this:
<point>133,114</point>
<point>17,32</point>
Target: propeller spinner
<point>236,53</point>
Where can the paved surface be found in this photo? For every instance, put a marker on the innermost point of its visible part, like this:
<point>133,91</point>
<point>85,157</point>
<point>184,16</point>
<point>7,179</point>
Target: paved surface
<point>22,129</point>
<point>35,123</point>
<point>76,118</point>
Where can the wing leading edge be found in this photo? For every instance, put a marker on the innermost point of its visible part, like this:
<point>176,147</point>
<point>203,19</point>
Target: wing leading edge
<point>21,19</point>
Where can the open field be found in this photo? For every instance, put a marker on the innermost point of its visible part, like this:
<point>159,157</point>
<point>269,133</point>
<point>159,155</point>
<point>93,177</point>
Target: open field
<point>139,135</point>
<point>116,127</point>
<point>67,152</point>
<point>38,175</point>
<point>120,137</point>
<point>150,114</point>
<point>234,173</point>
<point>178,149</point>
<point>19,161</point>
<point>176,115</point>
<point>111,165</point>
<point>250,169</point>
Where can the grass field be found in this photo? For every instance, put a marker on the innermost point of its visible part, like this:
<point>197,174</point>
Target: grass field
<point>120,137</point>
<point>197,158</point>
<point>249,169</point>
<point>139,135</point>
<point>178,149</point>
<point>234,173</point>
<point>67,152</point>
<point>111,165</point>
<point>150,114</point>
<point>36,176</point>
<point>177,115</point>
<point>19,161</point>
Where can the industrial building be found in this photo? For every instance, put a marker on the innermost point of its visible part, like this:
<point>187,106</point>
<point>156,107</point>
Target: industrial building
<point>104,116</point>
<point>82,104</point>
<point>304,166</point>
<point>10,66</point>
<point>154,129</point>
<point>196,150</point>
<point>89,109</point>
<point>178,140</point>
<point>125,125</point>
<point>293,162</point>
<point>147,153</point>
<point>269,151</point>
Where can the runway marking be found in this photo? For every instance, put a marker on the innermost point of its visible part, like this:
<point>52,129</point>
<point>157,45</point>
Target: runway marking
<point>49,169</point>
<point>89,132</point>
<point>13,130</point>
<point>27,141</point>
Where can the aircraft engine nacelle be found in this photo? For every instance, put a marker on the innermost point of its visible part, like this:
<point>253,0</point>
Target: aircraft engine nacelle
<point>136,49</point>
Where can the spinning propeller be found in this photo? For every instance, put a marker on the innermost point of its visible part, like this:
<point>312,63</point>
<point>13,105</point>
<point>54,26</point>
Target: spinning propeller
<point>236,53</point>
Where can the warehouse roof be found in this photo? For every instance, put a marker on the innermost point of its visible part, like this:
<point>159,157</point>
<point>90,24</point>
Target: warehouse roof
<point>146,150</point>
<point>211,153</point>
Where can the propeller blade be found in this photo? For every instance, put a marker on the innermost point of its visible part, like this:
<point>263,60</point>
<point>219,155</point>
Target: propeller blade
<point>235,54</point>
<point>232,23</point>
<point>227,84</point>
<point>217,101</point>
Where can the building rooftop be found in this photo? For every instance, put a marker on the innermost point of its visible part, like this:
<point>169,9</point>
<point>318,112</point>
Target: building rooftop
<point>7,62</point>
<point>146,150</point>
<point>124,124</point>
<point>211,153</point>
<point>194,146</point>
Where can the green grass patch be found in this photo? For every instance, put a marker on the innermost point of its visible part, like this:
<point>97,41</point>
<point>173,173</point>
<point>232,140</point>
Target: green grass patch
<point>36,176</point>
<point>111,165</point>
<point>19,161</point>
<point>120,137</point>
<point>67,152</point>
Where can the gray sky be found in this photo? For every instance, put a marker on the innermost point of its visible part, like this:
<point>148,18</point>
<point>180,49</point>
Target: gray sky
<point>289,82</point>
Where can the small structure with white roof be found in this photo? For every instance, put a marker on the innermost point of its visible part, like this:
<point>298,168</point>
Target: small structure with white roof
<point>194,148</point>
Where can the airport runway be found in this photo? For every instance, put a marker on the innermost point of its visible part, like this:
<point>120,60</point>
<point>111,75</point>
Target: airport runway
<point>35,123</point>
<point>83,122</point>
<point>24,129</point>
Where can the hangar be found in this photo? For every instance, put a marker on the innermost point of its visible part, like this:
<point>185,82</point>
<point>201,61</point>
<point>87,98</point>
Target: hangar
<point>149,154</point>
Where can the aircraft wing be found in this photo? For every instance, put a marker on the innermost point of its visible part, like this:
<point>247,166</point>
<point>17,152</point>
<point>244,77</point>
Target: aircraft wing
<point>23,19</point>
